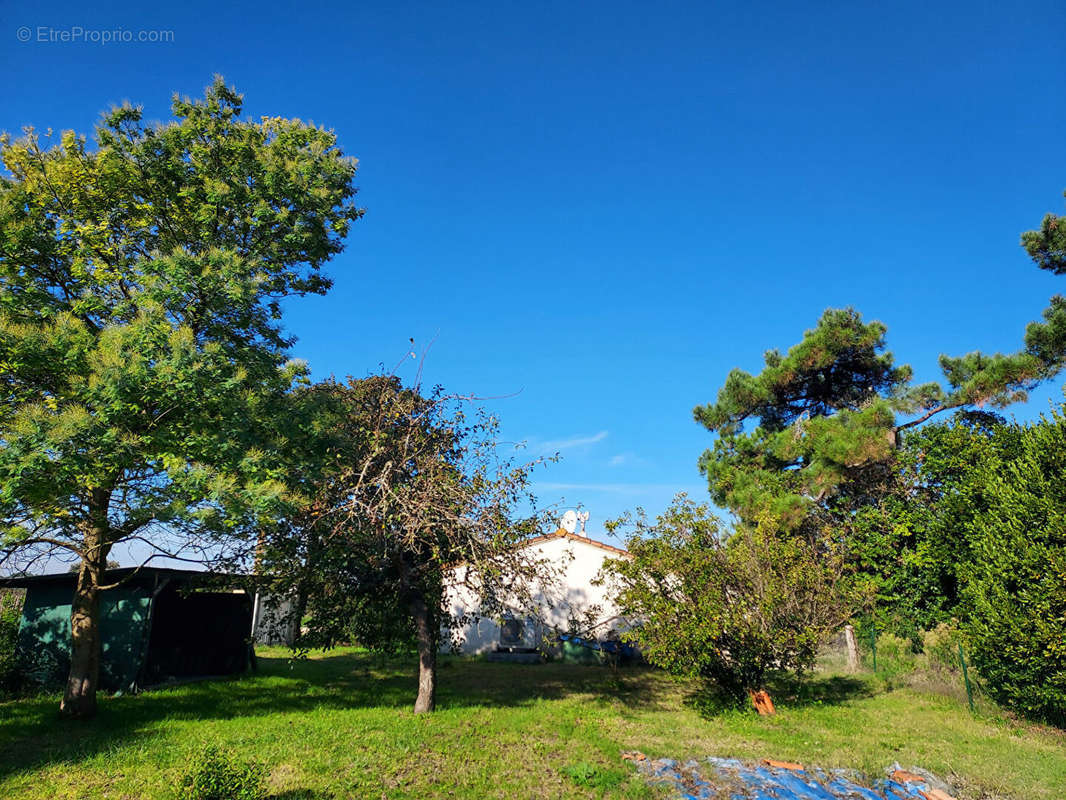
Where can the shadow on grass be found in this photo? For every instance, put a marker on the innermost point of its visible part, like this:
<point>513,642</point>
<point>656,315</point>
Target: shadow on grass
<point>465,684</point>
<point>787,691</point>
<point>32,735</point>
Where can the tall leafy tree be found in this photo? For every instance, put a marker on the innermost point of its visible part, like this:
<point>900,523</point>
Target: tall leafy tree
<point>1011,509</point>
<point>987,517</point>
<point>909,540</point>
<point>406,502</point>
<point>140,333</point>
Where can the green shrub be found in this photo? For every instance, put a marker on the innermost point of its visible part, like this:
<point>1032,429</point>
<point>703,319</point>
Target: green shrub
<point>1013,608</point>
<point>940,648</point>
<point>10,613</point>
<point>593,777</point>
<point>895,656</point>
<point>995,492</point>
<point>218,774</point>
<point>735,606</point>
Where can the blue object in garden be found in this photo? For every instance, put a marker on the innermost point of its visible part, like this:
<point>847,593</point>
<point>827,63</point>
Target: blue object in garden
<point>716,778</point>
<point>612,646</point>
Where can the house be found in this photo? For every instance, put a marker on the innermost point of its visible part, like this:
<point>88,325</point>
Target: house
<point>571,605</point>
<point>274,619</point>
<point>158,624</point>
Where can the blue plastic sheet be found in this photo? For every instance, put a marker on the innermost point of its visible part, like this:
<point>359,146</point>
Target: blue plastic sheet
<point>717,778</point>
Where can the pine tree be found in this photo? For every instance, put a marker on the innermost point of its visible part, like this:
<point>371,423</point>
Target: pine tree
<point>140,339</point>
<point>816,431</point>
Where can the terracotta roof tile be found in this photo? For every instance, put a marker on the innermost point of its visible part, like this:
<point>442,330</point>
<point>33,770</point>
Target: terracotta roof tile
<point>573,537</point>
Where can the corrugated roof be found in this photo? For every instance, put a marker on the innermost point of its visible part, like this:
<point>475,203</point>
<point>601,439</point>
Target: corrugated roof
<point>112,575</point>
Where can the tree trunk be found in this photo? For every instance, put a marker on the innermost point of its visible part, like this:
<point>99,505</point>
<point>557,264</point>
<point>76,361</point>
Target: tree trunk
<point>294,626</point>
<point>761,701</point>
<point>851,648</point>
<point>79,698</point>
<point>427,636</point>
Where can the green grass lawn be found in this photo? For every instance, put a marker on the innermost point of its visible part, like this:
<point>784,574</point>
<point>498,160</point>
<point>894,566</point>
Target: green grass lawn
<point>340,726</point>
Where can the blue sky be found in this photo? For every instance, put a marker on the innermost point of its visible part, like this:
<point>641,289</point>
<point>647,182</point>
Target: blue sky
<point>595,210</point>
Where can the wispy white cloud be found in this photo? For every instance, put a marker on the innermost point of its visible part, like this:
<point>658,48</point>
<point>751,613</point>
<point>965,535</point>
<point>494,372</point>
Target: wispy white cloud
<point>568,444</point>
<point>627,459</point>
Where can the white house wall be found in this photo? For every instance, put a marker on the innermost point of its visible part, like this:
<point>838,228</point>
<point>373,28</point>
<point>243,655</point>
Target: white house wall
<point>273,619</point>
<point>571,603</point>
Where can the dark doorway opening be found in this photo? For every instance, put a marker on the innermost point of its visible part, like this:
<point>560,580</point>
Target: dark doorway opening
<point>197,634</point>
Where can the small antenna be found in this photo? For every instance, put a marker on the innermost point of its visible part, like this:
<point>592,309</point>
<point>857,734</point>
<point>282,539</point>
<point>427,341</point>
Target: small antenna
<point>583,517</point>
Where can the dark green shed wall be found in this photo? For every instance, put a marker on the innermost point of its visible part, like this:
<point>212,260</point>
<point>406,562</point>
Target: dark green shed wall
<point>44,634</point>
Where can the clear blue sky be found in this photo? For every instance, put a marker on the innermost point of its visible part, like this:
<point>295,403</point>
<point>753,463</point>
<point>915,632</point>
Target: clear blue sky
<point>602,208</point>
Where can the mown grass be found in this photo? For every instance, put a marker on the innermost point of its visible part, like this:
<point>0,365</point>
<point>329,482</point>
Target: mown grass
<point>340,726</point>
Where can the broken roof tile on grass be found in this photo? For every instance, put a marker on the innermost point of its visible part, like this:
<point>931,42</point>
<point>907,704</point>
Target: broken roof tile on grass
<point>721,778</point>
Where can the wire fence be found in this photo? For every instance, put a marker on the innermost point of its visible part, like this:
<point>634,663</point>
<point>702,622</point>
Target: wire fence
<point>938,662</point>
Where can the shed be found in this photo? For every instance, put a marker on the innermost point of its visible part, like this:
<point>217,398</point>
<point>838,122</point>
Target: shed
<point>158,624</point>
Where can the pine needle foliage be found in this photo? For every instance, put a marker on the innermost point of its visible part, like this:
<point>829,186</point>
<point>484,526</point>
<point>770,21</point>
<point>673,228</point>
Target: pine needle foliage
<point>141,346</point>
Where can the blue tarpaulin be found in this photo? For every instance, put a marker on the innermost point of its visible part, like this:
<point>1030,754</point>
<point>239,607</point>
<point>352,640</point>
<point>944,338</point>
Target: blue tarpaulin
<point>721,778</point>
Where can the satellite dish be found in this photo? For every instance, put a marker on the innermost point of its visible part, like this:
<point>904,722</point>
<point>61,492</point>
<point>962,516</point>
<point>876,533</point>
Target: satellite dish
<point>569,522</point>
<point>583,517</point>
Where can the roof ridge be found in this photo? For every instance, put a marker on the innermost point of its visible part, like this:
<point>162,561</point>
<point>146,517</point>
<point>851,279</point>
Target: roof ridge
<point>562,533</point>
